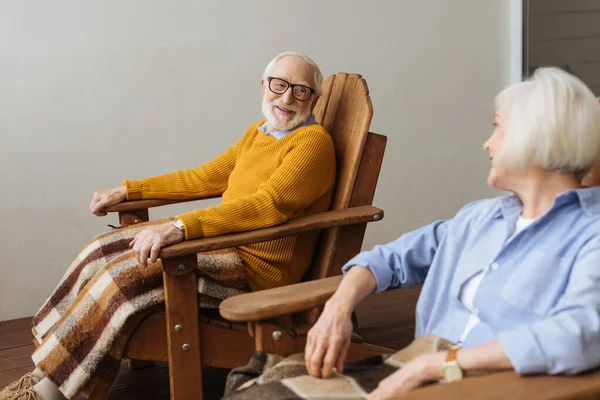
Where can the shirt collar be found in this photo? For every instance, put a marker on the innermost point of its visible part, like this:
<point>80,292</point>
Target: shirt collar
<point>588,198</point>
<point>279,134</point>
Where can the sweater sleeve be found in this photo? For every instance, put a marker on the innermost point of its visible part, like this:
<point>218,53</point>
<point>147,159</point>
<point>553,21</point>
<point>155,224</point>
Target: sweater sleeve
<point>207,179</point>
<point>306,173</point>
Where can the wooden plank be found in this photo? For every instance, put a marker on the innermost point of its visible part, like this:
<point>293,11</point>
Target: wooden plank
<point>17,357</point>
<point>508,385</point>
<point>150,203</point>
<point>563,26</point>
<point>183,345</point>
<point>16,332</point>
<point>388,332</point>
<point>351,237</point>
<point>318,221</point>
<point>133,217</point>
<point>562,6</point>
<point>284,300</point>
<point>321,106</point>
<point>381,307</point>
<point>564,51</point>
<point>149,342</point>
<point>284,345</point>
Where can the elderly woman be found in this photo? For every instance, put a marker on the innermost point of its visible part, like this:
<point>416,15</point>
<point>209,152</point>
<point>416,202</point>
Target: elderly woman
<point>282,167</point>
<point>514,281</point>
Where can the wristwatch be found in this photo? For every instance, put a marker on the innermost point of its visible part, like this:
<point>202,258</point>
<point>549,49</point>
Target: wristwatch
<point>452,371</point>
<point>179,225</point>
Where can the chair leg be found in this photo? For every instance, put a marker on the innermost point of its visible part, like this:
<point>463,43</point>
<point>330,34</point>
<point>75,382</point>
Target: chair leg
<point>273,338</point>
<point>183,332</point>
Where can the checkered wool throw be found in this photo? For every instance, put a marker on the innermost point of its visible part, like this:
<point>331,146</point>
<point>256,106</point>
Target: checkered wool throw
<point>82,329</point>
<point>272,377</point>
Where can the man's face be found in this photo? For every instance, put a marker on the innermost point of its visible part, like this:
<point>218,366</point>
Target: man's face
<point>284,111</point>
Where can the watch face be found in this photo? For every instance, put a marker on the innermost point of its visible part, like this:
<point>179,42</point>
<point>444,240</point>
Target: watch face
<point>452,372</point>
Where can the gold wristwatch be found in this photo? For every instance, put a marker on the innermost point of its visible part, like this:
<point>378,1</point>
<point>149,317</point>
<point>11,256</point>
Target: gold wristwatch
<point>452,371</point>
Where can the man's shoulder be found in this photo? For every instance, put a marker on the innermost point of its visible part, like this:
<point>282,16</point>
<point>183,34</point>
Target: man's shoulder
<point>314,133</point>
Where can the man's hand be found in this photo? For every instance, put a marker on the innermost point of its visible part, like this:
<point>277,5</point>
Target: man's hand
<point>328,341</point>
<point>423,369</point>
<point>147,243</point>
<point>106,198</point>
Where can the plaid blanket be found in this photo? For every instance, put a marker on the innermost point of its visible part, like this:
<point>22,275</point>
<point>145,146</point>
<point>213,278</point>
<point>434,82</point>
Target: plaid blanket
<point>82,329</point>
<point>269,376</point>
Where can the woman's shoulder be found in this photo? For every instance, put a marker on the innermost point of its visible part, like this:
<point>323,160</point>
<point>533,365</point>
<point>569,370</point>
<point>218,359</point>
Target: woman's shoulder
<point>484,206</point>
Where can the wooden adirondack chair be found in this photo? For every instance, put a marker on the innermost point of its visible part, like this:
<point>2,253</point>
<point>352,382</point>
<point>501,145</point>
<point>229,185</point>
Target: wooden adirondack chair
<point>188,340</point>
<point>277,303</point>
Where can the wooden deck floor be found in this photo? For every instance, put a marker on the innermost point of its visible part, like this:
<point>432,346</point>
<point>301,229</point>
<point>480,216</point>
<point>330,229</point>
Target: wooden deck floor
<point>385,319</point>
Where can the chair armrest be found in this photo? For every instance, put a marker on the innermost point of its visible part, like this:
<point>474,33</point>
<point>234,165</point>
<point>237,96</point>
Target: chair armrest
<point>328,219</point>
<point>149,203</point>
<point>271,303</point>
<point>509,385</point>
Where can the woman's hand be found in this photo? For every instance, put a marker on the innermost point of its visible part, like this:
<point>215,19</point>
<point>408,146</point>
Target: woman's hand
<point>147,243</point>
<point>106,198</point>
<point>423,369</point>
<point>328,341</point>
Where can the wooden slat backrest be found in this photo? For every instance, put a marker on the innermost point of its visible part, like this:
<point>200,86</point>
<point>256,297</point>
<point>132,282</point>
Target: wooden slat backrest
<point>345,110</point>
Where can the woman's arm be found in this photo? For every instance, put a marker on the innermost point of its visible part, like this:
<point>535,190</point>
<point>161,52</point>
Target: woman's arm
<point>328,340</point>
<point>482,359</point>
<point>485,358</point>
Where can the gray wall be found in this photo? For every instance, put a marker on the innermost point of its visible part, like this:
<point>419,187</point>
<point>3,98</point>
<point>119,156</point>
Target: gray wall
<point>566,33</point>
<point>93,92</point>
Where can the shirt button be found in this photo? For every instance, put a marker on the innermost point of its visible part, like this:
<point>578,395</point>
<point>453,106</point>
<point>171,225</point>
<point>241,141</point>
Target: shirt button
<point>495,266</point>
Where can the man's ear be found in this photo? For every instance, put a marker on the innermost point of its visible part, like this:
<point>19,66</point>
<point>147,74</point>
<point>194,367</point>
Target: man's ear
<point>262,87</point>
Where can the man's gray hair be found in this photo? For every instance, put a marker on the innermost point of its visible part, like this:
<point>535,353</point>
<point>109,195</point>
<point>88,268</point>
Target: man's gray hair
<point>551,120</point>
<point>317,77</point>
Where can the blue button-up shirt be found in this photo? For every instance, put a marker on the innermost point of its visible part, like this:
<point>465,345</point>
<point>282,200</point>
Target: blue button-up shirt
<point>542,302</point>
<point>279,134</point>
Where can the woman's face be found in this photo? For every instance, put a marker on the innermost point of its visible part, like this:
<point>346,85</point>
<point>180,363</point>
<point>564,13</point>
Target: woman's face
<point>493,146</point>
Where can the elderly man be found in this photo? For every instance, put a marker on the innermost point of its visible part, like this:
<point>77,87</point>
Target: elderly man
<point>281,168</point>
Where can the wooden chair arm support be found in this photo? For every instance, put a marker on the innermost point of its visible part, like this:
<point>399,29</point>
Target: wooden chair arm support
<point>509,385</point>
<point>328,219</point>
<point>285,300</point>
<point>149,203</point>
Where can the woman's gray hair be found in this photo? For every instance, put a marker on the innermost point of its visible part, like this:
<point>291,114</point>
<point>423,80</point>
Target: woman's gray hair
<point>552,120</point>
<point>317,77</point>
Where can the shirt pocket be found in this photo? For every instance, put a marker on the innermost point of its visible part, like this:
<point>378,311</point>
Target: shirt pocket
<point>536,282</point>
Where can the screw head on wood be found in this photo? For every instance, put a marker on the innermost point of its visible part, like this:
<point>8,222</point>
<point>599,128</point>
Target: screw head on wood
<point>182,266</point>
<point>277,335</point>
<point>185,347</point>
<point>376,217</point>
<point>135,221</point>
<point>178,328</point>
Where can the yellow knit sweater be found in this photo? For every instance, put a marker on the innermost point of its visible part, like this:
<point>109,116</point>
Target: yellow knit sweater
<point>263,182</point>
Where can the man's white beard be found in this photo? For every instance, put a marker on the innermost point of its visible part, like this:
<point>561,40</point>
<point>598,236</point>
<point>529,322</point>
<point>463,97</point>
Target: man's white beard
<point>282,124</point>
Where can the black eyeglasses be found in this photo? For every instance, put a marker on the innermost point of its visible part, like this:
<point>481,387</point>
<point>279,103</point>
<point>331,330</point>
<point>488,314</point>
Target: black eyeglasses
<point>300,92</point>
